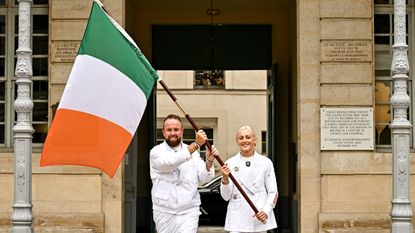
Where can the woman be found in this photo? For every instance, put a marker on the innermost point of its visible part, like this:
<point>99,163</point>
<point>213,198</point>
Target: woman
<point>255,173</point>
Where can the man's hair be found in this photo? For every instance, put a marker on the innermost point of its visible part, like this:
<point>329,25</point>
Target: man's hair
<point>172,116</point>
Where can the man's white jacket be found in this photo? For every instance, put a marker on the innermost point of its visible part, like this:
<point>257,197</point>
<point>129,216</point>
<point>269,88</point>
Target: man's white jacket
<point>260,184</point>
<point>175,176</point>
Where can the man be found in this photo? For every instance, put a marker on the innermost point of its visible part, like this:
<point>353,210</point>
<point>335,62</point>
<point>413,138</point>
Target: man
<point>175,170</point>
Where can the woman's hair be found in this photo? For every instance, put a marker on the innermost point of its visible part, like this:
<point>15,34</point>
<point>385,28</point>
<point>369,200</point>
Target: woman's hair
<point>248,128</point>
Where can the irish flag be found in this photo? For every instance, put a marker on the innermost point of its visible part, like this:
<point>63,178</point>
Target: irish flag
<point>103,101</point>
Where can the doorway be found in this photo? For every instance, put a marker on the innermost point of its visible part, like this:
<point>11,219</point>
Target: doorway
<point>142,18</point>
<point>137,183</point>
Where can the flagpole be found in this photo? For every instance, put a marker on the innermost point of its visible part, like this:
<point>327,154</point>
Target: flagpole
<point>196,128</point>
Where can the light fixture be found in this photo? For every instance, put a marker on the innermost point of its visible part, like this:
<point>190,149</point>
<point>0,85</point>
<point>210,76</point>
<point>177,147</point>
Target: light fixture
<point>212,36</point>
<point>212,12</point>
<point>210,77</point>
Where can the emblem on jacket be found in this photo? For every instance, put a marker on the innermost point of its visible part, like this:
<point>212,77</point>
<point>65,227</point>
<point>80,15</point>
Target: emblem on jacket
<point>236,169</point>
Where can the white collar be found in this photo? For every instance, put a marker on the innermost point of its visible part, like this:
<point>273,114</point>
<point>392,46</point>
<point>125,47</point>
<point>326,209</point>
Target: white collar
<point>176,148</point>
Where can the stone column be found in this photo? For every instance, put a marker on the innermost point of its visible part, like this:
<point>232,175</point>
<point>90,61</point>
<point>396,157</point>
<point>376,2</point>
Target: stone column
<point>23,130</point>
<point>401,212</point>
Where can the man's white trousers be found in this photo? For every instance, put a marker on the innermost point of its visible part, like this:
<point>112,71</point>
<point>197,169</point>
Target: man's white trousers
<point>173,223</point>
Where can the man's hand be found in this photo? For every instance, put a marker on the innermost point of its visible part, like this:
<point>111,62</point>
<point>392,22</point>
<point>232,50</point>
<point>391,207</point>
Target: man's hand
<point>210,156</point>
<point>200,137</point>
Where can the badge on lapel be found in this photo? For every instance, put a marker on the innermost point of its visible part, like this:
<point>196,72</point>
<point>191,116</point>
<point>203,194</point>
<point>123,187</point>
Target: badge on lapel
<point>236,169</point>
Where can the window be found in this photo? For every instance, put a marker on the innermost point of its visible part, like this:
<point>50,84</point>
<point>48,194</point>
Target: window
<point>264,142</point>
<point>8,88</point>
<point>387,2</point>
<point>383,36</point>
<point>189,137</point>
<point>209,79</point>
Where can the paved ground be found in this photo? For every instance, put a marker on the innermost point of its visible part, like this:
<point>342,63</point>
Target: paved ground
<point>210,229</point>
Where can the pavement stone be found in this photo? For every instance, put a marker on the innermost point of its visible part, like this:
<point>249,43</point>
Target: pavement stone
<point>210,229</point>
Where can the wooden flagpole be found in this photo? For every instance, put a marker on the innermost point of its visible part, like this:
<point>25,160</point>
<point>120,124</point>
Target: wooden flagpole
<point>196,128</point>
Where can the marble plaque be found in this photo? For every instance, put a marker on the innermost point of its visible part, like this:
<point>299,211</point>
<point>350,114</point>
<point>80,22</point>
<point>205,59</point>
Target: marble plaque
<point>346,129</point>
<point>64,51</point>
<point>346,51</point>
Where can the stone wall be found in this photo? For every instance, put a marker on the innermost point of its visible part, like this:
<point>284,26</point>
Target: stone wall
<point>62,223</point>
<point>62,202</point>
<point>308,108</point>
<point>67,199</point>
<point>340,191</point>
<point>354,223</point>
<point>68,20</point>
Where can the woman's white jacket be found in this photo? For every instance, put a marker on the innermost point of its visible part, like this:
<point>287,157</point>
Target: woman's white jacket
<point>261,187</point>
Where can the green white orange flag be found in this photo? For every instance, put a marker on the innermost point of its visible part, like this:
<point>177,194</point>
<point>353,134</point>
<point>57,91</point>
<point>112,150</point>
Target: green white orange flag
<point>103,101</point>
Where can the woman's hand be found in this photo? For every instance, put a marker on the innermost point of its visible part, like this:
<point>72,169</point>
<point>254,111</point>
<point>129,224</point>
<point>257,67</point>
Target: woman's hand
<point>261,216</point>
<point>225,173</point>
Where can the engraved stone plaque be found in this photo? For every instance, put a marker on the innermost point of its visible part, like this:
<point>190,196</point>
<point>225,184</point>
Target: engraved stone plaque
<point>64,51</point>
<point>346,129</point>
<point>346,51</point>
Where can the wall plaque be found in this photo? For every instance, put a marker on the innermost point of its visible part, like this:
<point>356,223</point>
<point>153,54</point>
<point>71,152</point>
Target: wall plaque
<point>346,129</point>
<point>64,51</point>
<point>346,51</point>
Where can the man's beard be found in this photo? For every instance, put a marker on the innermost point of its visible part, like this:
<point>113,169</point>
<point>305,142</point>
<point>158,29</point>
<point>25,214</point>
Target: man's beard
<point>173,143</point>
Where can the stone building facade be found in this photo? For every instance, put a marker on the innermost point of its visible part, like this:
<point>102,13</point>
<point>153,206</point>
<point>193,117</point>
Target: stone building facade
<point>323,55</point>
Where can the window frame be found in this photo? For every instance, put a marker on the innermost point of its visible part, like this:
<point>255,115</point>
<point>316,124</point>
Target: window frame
<point>389,9</point>
<point>198,74</point>
<point>10,10</point>
<point>264,138</point>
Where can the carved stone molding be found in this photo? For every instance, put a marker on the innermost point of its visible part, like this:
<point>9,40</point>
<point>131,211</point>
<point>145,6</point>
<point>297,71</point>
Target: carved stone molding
<point>400,63</point>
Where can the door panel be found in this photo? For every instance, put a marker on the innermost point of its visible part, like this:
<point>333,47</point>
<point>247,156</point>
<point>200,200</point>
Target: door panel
<point>130,184</point>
